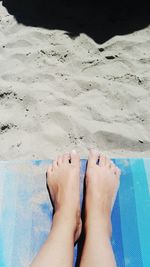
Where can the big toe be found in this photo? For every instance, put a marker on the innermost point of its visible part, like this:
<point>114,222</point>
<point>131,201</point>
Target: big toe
<point>102,161</point>
<point>75,159</point>
<point>93,157</point>
<point>66,157</point>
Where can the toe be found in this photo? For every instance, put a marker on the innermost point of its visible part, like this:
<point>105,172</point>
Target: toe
<point>66,157</point>
<point>108,163</point>
<point>55,165</point>
<point>59,160</point>
<point>49,170</point>
<point>93,157</point>
<point>118,171</point>
<point>113,168</point>
<point>111,165</point>
<point>102,161</point>
<point>75,159</point>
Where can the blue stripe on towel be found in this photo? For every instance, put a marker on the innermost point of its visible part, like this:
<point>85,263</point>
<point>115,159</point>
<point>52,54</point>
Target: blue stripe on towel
<point>22,230</point>
<point>9,216</point>
<point>2,260</point>
<point>117,234</point>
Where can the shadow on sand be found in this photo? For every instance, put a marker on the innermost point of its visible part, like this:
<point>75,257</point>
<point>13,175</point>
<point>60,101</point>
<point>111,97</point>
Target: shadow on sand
<point>100,21</point>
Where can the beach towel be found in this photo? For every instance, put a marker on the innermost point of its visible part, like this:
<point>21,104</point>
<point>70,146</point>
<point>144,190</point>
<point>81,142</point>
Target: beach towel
<point>26,212</point>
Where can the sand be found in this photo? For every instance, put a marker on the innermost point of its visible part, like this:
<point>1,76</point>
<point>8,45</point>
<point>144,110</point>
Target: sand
<point>58,93</point>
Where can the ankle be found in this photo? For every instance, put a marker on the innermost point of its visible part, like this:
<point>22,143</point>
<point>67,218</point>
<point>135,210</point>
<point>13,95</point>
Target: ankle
<point>99,230</point>
<point>63,216</point>
<point>99,222</point>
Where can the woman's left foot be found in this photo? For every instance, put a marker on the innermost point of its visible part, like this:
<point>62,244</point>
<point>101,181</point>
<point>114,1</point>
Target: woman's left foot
<point>102,184</point>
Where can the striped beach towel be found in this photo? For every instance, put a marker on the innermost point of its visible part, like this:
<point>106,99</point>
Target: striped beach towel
<point>26,212</point>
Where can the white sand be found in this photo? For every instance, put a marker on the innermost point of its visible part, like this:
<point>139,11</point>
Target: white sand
<point>57,93</point>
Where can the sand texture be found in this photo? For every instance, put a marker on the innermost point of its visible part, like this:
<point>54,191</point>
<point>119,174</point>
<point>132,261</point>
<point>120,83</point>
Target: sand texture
<point>59,93</point>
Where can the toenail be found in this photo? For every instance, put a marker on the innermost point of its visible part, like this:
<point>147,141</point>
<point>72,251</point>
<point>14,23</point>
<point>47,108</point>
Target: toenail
<point>74,151</point>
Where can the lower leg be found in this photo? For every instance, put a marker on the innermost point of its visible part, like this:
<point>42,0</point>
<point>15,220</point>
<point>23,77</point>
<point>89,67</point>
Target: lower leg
<point>58,249</point>
<point>97,249</point>
<point>102,182</point>
<point>63,182</point>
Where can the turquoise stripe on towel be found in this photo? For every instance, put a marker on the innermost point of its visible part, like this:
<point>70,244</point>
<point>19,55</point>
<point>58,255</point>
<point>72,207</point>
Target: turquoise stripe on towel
<point>129,225</point>
<point>142,198</point>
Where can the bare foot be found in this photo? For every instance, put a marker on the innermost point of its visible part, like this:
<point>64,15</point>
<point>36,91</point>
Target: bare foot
<point>63,180</point>
<point>102,183</point>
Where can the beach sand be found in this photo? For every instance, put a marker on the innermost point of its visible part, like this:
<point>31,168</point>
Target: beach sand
<point>59,93</point>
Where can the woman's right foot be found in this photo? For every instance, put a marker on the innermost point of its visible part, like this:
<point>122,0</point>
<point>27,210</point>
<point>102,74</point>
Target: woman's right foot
<point>63,180</point>
<point>102,183</point>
